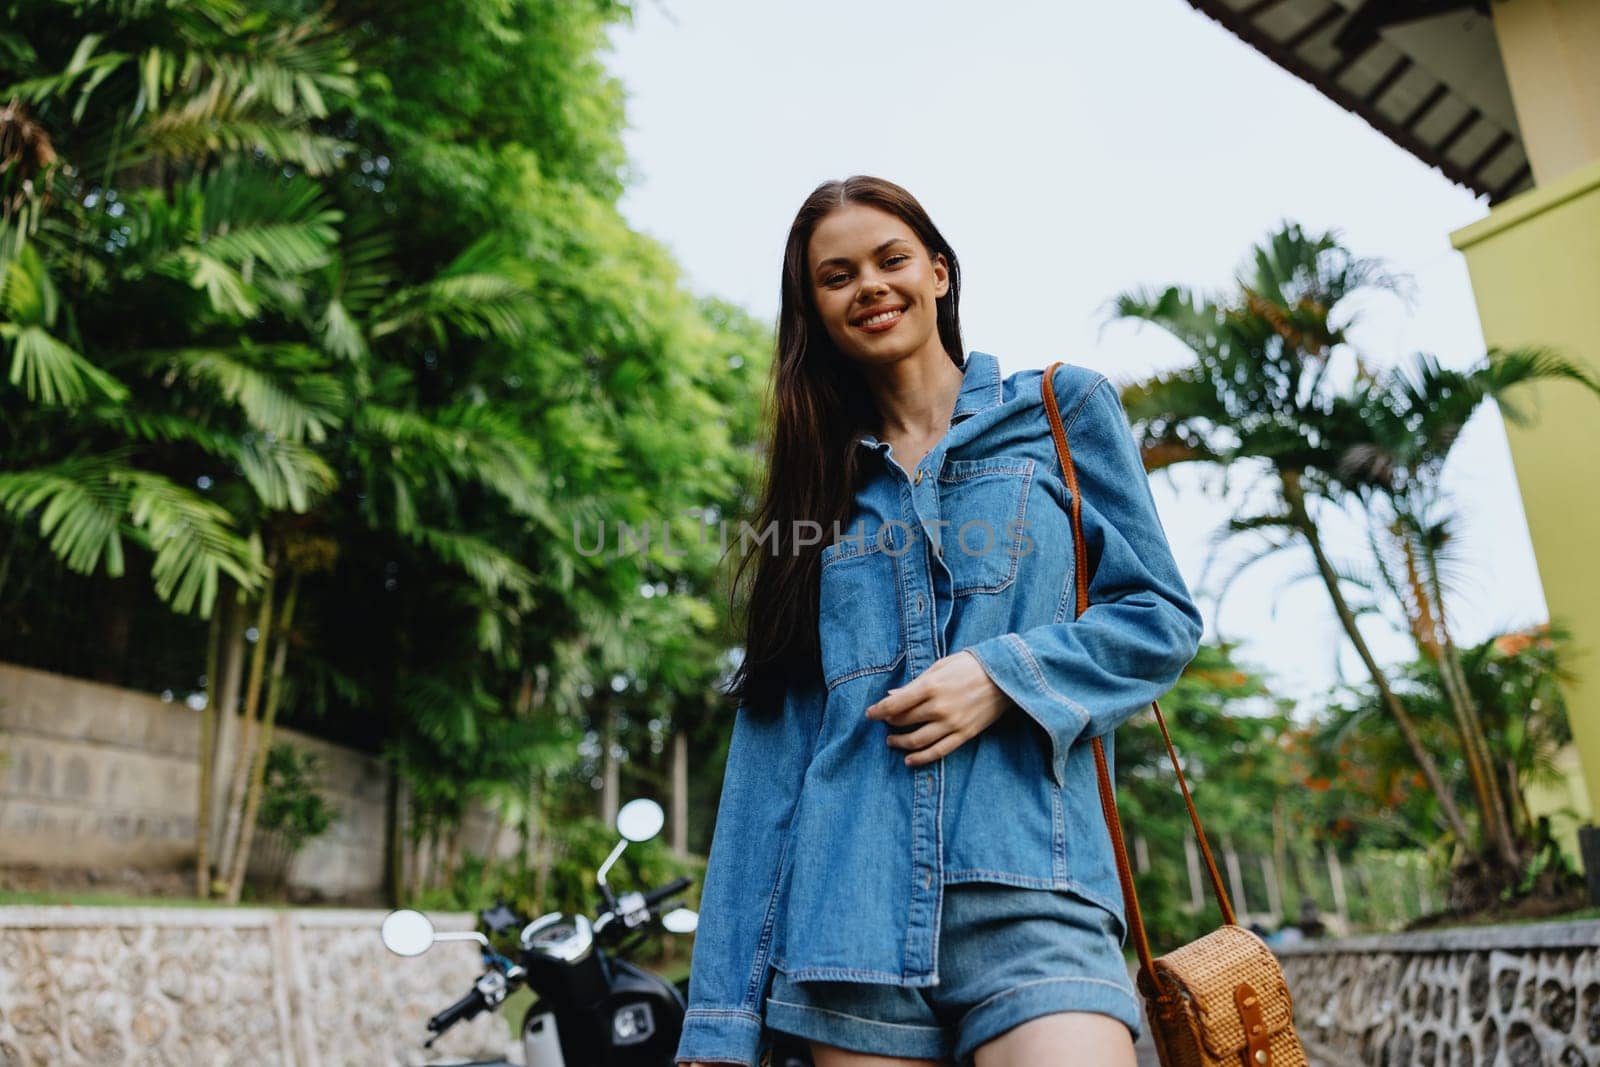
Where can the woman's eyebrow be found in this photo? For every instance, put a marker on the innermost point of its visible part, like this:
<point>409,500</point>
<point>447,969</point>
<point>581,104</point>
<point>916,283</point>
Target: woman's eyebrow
<point>876,251</point>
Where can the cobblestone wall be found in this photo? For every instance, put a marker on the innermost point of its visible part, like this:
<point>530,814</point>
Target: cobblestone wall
<point>1524,996</point>
<point>146,986</point>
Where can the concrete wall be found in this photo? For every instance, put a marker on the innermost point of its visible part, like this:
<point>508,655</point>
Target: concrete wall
<point>93,775</point>
<point>97,777</point>
<point>1535,268</point>
<point>227,985</point>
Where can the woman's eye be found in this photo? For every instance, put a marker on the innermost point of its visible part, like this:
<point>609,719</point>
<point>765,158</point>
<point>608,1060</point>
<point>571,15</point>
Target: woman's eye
<point>892,260</point>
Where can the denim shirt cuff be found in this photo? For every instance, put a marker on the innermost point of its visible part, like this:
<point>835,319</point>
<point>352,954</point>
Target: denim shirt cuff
<point>720,1035</point>
<point>1012,667</point>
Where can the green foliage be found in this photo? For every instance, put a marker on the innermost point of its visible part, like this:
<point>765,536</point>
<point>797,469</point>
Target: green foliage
<point>1356,763</point>
<point>1230,734</point>
<point>289,271</point>
<point>291,803</point>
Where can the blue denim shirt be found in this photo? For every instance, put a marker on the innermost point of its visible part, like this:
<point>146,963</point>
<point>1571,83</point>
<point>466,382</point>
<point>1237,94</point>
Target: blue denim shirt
<point>830,856</point>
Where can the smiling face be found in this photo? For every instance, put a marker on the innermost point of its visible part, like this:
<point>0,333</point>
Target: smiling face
<point>875,286</point>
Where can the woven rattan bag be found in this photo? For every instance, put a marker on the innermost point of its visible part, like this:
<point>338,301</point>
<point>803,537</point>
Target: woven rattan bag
<point>1220,1000</point>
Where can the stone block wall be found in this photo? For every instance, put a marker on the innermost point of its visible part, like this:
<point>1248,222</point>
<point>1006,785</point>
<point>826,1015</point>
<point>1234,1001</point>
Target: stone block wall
<point>211,986</point>
<point>1523,995</point>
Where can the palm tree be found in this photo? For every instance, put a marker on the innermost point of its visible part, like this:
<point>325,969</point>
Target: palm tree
<point>1264,390</point>
<point>1411,418</point>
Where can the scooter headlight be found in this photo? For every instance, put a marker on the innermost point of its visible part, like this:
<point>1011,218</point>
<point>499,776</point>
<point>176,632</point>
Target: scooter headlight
<point>633,1023</point>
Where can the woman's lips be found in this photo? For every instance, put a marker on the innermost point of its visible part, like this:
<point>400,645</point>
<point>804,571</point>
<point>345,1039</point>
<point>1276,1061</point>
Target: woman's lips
<point>883,325</point>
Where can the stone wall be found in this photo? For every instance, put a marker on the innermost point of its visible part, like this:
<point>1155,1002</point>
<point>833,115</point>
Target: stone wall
<point>92,776</point>
<point>1524,995</point>
<point>146,986</point>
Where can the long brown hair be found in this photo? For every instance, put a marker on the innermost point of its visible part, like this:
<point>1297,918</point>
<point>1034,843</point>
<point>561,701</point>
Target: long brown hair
<point>818,405</point>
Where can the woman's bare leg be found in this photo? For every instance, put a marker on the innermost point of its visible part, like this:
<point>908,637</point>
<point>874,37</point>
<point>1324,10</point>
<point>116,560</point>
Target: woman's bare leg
<point>1063,1039</point>
<point>832,1056</point>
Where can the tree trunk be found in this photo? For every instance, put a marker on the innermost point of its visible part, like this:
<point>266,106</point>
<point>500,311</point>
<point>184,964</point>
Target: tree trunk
<point>533,836</point>
<point>1486,784</point>
<point>245,740</point>
<point>611,781</point>
<point>1294,495</point>
<point>421,842</point>
<point>1280,850</point>
<point>543,847</point>
<point>1520,799</point>
<point>395,868</point>
<point>452,853</point>
<point>215,635</point>
<point>227,722</point>
<point>680,792</point>
<point>497,839</point>
<point>1469,723</point>
<point>1480,740</point>
<point>258,770</point>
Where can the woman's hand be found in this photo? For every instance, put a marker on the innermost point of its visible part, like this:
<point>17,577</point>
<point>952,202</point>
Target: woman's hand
<point>951,702</point>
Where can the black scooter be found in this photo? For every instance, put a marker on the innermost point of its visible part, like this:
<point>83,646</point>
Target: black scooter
<point>594,1008</point>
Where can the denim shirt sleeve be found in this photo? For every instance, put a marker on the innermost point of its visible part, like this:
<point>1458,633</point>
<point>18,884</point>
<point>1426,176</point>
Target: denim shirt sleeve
<point>1086,676</point>
<point>767,758</point>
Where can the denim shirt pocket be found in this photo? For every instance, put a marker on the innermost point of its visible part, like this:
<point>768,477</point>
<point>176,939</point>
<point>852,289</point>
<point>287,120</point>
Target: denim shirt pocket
<point>985,504</point>
<point>860,628</point>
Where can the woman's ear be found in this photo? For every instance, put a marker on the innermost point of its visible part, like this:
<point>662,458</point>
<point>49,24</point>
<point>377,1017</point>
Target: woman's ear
<point>941,275</point>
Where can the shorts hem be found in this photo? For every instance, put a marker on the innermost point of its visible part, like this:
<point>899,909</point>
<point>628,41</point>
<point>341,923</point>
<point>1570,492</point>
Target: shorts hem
<point>857,1034</point>
<point>1045,996</point>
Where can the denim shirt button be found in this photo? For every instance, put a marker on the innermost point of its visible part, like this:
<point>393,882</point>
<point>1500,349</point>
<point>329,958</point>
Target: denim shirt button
<point>922,605</point>
<point>918,479</point>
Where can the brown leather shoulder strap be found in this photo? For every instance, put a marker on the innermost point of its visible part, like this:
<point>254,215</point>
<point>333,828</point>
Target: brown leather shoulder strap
<point>1108,795</point>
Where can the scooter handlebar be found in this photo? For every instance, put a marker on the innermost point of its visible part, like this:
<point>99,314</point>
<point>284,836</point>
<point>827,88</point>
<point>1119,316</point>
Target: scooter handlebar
<point>465,1008</point>
<point>677,885</point>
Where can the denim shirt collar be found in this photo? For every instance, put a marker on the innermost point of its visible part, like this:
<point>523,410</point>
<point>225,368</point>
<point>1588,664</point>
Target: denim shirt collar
<point>980,389</point>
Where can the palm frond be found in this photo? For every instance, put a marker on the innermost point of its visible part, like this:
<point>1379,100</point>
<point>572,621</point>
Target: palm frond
<point>80,508</point>
<point>279,387</point>
<point>50,372</point>
<point>284,474</point>
<point>482,293</point>
<point>192,539</point>
<point>251,214</point>
<point>1189,316</point>
<point>1505,369</point>
<point>495,571</point>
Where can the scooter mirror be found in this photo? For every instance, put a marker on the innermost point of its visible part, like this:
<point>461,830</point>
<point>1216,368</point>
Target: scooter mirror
<point>681,920</point>
<point>640,820</point>
<point>407,933</point>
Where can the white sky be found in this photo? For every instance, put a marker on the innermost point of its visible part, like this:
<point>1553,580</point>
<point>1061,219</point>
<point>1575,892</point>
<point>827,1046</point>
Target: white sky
<point>1070,151</point>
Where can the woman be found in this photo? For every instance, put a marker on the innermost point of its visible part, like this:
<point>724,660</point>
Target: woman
<point>910,865</point>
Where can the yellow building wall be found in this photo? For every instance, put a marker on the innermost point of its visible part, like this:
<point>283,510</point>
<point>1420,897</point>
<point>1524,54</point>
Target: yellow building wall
<point>1535,268</point>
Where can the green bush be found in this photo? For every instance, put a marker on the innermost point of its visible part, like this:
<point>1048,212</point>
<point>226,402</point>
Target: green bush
<point>291,804</point>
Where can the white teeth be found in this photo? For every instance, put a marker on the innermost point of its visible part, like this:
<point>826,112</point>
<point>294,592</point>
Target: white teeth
<point>884,317</point>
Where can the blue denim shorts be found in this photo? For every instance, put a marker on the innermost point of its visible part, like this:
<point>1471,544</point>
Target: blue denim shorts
<point>1005,955</point>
